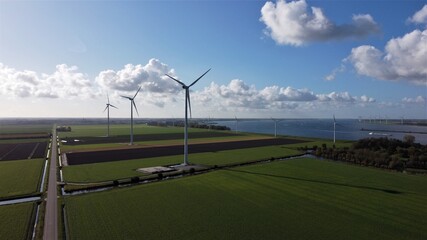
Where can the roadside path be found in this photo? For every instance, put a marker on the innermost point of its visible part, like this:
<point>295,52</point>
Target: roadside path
<point>50,231</point>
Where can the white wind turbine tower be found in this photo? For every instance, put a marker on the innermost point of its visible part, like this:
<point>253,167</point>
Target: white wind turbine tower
<point>132,104</point>
<point>275,125</point>
<point>108,114</point>
<point>237,121</point>
<point>335,123</point>
<point>187,105</point>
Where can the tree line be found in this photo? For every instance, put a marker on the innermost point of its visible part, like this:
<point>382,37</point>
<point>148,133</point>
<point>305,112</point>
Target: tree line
<point>380,152</point>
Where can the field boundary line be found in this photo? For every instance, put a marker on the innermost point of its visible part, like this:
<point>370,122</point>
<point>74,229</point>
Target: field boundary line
<point>34,150</point>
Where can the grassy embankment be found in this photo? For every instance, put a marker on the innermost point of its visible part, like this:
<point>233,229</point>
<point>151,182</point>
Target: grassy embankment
<point>292,199</point>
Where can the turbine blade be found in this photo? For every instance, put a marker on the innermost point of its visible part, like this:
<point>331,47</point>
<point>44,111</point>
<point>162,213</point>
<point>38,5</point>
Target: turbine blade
<point>126,97</point>
<point>105,108</point>
<point>187,92</point>
<point>108,99</point>
<point>136,92</point>
<point>113,106</point>
<point>334,117</point>
<point>199,78</point>
<point>133,102</point>
<point>176,80</point>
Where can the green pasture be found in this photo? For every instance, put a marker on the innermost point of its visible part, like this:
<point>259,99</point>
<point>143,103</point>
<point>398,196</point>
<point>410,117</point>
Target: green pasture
<point>20,177</point>
<point>15,220</point>
<point>291,199</point>
<point>120,129</point>
<point>98,172</point>
<point>68,148</point>
<point>17,128</point>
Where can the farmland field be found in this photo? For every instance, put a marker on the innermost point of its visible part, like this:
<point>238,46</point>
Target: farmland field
<point>15,220</point>
<point>120,129</point>
<point>292,199</point>
<point>20,177</point>
<point>26,150</point>
<point>126,154</point>
<point>125,169</point>
<point>24,128</point>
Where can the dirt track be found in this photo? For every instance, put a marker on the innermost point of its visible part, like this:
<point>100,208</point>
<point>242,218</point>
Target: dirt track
<point>126,154</point>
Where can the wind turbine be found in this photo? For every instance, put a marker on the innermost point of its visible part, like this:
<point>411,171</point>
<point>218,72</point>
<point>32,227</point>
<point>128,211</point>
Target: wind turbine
<point>108,114</point>
<point>132,104</point>
<point>236,122</point>
<point>187,105</point>
<point>335,123</point>
<point>275,125</point>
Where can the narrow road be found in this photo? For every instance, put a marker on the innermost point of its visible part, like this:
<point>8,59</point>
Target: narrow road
<point>50,231</point>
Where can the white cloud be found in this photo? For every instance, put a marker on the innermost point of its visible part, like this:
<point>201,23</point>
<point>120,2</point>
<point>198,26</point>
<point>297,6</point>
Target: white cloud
<point>334,73</point>
<point>404,59</point>
<point>65,82</point>
<point>239,96</point>
<point>157,90</point>
<point>420,16</point>
<point>291,23</point>
<point>151,77</point>
<point>367,99</point>
<point>417,100</point>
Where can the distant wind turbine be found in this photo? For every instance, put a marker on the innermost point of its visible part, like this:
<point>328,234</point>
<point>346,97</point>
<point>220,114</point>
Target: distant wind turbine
<point>335,123</point>
<point>236,122</point>
<point>275,125</point>
<point>187,105</point>
<point>108,114</point>
<point>132,104</point>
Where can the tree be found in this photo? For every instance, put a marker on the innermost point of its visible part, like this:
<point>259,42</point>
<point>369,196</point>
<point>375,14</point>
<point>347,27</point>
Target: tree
<point>410,139</point>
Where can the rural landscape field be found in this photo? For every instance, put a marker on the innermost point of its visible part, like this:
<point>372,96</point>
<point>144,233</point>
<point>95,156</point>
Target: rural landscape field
<point>177,120</point>
<point>238,186</point>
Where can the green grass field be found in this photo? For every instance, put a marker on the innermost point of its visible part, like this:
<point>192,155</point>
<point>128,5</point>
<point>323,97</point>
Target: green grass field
<point>15,220</point>
<point>20,177</point>
<point>98,172</point>
<point>120,129</point>
<point>18,128</point>
<point>292,199</point>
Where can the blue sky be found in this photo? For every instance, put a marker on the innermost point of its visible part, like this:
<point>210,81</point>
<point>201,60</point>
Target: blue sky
<point>59,59</point>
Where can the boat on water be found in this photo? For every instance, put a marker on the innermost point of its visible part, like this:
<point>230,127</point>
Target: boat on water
<point>380,134</point>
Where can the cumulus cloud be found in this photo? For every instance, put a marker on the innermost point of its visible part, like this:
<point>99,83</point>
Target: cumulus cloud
<point>404,59</point>
<point>417,100</point>
<point>334,73</point>
<point>151,77</point>
<point>64,82</point>
<point>157,88</point>
<point>419,17</point>
<point>291,23</point>
<point>238,95</point>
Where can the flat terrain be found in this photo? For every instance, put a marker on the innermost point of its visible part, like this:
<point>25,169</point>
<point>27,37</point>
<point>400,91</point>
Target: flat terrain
<point>291,199</point>
<point>108,171</point>
<point>15,221</point>
<point>25,150</point>
<point>144,137</point>
<point>20,177</point>
<point>150,152</point>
